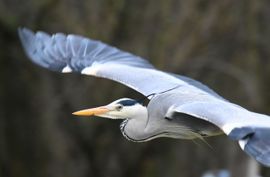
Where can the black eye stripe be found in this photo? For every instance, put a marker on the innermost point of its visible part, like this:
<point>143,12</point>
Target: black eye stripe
<point>127,102</point>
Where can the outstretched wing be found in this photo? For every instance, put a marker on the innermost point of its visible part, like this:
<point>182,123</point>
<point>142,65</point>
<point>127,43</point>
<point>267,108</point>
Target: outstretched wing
<point>250,129</point>
<point>73,53</point>
<point>197,84</point>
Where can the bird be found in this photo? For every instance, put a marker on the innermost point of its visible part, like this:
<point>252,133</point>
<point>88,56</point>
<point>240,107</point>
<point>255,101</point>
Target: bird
<point>178,107</point>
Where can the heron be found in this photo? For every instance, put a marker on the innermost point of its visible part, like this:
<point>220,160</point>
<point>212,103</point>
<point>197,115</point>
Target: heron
<point>178,106</point>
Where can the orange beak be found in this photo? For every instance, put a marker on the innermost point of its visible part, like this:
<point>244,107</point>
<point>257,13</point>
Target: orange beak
<point>91,112</point>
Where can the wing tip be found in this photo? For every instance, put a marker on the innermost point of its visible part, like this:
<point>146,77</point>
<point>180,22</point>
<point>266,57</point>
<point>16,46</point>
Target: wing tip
<point>26,37</point>
<point>254,141</point>
<point>24,32</point>
<point>29,44</point>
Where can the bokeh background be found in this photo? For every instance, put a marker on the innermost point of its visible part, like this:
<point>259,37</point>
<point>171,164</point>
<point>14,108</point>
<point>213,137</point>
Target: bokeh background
<point>224,44</point>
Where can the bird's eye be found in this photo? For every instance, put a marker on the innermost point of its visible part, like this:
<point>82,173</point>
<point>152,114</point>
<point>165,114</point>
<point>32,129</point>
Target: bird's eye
<point>119,107</point>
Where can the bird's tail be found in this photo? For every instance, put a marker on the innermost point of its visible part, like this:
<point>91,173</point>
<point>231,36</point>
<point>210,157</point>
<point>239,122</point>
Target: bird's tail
<point>255,141</point>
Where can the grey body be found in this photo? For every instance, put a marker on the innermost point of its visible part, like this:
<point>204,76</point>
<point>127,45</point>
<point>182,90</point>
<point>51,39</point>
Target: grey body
<point>180,107</point>
<point>198,127</point>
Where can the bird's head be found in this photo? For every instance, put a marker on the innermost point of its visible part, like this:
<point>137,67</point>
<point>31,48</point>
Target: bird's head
<point>120,109</point>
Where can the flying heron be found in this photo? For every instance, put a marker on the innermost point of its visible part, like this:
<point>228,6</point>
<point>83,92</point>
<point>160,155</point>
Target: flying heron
<point>179,107</point>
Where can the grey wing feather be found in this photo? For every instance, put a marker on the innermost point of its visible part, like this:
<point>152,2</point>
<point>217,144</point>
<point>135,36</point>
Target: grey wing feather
<point>250,129</point>
<point>73,53</point>
<point>199,126</point>
<point>225,115</point>
<point>56,51</point>
<point>198,85</point>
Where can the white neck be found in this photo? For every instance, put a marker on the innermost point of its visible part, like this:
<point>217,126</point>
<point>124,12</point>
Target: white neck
<point>134,128</point>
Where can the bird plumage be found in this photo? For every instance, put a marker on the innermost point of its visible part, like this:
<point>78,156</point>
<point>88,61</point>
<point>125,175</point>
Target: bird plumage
<point>180,107</point>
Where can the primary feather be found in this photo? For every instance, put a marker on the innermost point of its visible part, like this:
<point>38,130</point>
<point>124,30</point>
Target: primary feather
<point>74,53</point>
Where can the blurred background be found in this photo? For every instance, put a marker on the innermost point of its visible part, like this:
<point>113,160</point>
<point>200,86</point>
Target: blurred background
<point>224,44</point>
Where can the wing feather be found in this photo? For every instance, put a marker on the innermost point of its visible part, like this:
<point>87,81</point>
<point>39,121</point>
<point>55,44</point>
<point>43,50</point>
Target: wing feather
<point>74,53</point>
<point>223,114</point>
<point>250,129</point>
<point>198,85</point>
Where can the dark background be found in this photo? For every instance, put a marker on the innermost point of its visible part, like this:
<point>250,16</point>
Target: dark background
<point>225,44</point>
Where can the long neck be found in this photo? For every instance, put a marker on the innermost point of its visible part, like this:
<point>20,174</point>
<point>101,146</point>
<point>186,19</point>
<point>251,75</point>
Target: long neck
<point>133,128</point>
